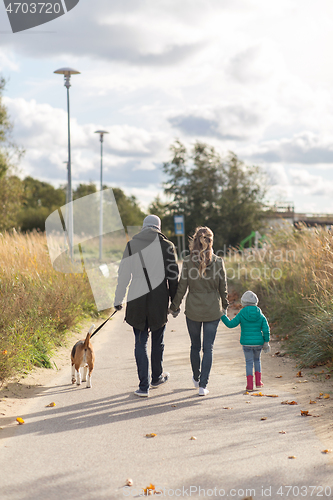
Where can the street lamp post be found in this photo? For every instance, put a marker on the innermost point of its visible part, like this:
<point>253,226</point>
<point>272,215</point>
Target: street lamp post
<point>66,205</point>
<point>101,134</point>
<point>67,72</point>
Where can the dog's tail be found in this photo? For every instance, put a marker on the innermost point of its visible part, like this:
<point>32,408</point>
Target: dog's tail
<point>86,342</point>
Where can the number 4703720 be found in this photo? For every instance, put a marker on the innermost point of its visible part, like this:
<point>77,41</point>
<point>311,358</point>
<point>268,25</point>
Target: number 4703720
<point>302,491</point>
<point>33,8</point>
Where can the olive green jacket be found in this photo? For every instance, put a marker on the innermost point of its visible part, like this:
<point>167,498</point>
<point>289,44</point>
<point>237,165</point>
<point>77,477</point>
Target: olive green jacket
<point>207,295</point>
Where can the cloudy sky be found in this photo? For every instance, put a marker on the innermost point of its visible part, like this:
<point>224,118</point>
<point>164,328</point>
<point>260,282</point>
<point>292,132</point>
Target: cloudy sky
<point>251,76</point>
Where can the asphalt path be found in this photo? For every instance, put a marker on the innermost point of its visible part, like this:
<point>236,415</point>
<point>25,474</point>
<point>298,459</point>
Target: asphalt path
<point>93,440</point>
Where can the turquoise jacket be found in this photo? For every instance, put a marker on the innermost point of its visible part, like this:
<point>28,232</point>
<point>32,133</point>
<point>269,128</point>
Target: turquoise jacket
<point>254,325</point>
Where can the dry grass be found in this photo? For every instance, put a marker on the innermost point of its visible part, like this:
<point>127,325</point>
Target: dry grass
<point>37,303</point>
<point>293,277</point>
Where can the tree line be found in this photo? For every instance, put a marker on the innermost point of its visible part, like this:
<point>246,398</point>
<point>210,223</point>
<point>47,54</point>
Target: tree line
<point>209,190</point>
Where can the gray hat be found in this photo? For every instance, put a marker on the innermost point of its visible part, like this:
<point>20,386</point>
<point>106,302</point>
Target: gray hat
<point>152,221</point>
<point>249,299</point>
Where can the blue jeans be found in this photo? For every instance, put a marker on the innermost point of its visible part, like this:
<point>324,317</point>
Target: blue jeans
<point>209,333</point>
<point>252,357</point>
<point>141,355</point>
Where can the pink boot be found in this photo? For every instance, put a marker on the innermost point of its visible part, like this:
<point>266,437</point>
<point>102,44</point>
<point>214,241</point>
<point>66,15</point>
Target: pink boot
<point>249,385</point>
<point>258,380</point>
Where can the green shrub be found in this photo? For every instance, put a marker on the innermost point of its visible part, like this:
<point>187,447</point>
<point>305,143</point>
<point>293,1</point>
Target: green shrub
<point>37,303</point>
<point>293,277</point>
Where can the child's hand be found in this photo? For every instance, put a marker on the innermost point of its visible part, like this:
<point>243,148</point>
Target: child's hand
<point>266,347</point>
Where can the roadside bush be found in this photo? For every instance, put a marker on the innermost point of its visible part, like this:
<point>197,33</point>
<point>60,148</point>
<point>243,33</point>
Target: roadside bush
<point>293,277</point>
<point>37,303</point>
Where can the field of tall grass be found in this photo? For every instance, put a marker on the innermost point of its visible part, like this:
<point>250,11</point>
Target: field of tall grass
<point>293,278</point>
<point>37,303</point>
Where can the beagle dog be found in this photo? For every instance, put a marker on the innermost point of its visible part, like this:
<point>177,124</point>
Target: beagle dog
<point>83,355</point>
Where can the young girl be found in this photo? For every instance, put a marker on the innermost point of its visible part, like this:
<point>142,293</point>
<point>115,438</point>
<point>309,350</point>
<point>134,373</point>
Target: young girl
<point>254,336</point>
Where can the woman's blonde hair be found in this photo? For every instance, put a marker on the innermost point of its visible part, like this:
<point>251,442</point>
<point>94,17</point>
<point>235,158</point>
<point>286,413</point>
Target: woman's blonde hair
<point>201,247</point>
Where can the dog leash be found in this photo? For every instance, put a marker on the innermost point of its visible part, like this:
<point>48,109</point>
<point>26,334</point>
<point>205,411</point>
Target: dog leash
<point>101,326</point>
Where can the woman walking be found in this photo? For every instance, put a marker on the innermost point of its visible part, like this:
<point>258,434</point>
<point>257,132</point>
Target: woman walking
<point>203,274</point>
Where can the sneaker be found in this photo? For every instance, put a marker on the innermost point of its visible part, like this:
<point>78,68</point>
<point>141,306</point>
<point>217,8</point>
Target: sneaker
<point>163,378</point>
<point>203,391</point>
<point>142,394</point>
<point>195,382</point>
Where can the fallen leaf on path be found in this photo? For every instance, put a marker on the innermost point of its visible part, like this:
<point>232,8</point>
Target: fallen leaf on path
<point>20,420</point>
<point>151,435</point>
<point>263,418</point>
<point>278,376</point>
<point>282,432</point>
<point>193,438</point>
<point>327,451</point>
<point>312,402</point>
<point>227,408</point>
<point>173,406</point>
<point>149,490</point>
<point>257,394</point>
<point>299,374</point>
<point>246,392</point>
<point>51,404</point>
<point>321,394</point>
<point>4,352</point>
<point>292,456</point>
<point>289,403</point>
<point>327,396</point>
<point>305,413</point>
<point>272,396</point>
<point>129,482</point>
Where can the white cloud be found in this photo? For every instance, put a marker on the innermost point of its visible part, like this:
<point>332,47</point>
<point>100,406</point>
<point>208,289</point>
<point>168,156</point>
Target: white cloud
<point>314,185</point>
<point>8,61</point>
<point>131,154</point>
<point>247,76</point>
<point>305,148</point>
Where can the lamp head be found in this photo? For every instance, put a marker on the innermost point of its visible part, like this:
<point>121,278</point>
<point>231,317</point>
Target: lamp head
<point>101,133</point>
<point>67,72</point>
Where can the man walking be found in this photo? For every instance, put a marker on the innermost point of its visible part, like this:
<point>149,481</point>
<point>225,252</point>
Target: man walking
<point>149,266</point>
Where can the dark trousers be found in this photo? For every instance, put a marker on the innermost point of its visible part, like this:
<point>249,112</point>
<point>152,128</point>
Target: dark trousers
<point>141,355</point>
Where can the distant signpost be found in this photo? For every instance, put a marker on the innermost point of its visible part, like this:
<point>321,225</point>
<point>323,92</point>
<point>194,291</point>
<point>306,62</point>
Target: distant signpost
<point>179,221</point>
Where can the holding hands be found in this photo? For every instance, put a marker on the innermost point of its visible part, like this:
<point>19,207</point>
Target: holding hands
<point>174,313</point>
<point>266,347</point>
